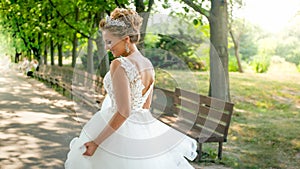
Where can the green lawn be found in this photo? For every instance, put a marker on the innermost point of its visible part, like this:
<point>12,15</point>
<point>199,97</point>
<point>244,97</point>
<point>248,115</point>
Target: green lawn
<point>265,127</point>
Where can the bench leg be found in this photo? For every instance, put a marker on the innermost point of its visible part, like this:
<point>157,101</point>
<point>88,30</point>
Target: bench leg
<point>63,91</point>
<point>220,150</point>
<point>199,152</point>
<point>71,95</point>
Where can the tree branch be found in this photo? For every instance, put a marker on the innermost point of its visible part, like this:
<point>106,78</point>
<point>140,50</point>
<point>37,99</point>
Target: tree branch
<point>150,3</point>
<point>119,5</point>
<point>66,22</point>
<point>139,4</point>
<point>197,8</point>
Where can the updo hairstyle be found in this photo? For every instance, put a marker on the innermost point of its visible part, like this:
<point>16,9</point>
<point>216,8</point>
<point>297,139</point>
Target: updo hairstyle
<point>123,22</point>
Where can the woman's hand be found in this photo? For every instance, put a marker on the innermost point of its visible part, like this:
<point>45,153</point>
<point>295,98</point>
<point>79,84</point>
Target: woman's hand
<point>91,147</point>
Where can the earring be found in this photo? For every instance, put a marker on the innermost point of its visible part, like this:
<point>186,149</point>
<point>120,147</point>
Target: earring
<point>127,48</point>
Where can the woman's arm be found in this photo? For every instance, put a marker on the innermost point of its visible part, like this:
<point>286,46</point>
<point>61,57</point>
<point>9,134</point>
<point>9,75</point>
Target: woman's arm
<point>122,96</point>
<point>116,121</point>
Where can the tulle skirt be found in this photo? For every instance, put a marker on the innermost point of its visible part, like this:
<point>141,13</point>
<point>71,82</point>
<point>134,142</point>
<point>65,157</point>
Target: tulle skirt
<point>142,142</point>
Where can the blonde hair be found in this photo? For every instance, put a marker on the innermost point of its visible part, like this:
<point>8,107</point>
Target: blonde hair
<point>123,22</point>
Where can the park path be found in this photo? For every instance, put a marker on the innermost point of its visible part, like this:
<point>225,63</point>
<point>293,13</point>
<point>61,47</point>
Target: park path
<point>37,124</point>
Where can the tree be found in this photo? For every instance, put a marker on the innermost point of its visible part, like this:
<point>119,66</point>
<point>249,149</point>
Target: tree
<point>82,19</point>
<point>144,12</point>
<point>236,29</point>
<point>217,16</point>
<point>289,43</point>
<point>23,21</point>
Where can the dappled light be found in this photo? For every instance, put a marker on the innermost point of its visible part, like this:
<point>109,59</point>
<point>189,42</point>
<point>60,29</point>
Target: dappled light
<point>36,124</point>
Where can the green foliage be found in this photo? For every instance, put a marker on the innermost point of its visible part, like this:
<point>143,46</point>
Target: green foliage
<point>175,41</point>
<point>298,67</point>
<point>173,45</point>
<point>151,40</point>
<point>195,63</point>
<point>288,45</point>
<point>233,65</point>
<point>267,46</point>
<point>289,49</point>
<point>32,24</point>
<point>260,64</point>
<point>171,49</point>
<point>156,55</point>
<point>248,42</point>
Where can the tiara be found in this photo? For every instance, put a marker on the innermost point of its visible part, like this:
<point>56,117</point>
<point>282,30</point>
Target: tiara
<point>115,22</point>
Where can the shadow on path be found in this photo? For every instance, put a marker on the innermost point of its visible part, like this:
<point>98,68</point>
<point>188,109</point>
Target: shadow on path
<point>36,124</point>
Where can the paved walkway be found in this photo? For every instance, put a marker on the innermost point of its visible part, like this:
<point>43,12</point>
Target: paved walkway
<point>36,124</point>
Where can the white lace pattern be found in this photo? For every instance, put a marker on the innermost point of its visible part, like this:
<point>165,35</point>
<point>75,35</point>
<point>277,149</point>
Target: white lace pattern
<point>136,85</point>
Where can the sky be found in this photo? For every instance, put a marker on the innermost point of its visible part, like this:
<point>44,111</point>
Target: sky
<point>271,15</point>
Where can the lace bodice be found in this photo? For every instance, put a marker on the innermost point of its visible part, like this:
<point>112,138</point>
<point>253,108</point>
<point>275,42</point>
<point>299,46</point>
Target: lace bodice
<point>136,86</point>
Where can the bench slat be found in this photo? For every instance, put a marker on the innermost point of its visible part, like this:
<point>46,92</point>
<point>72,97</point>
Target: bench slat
<point>202,121</point>
<point>196,108</point>
<point>200,134</point>
<point>209,101</point>
<point>161,108</point>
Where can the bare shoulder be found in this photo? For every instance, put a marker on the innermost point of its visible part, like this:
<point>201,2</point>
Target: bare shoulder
<point>114,65</point>
<point>147,63</point>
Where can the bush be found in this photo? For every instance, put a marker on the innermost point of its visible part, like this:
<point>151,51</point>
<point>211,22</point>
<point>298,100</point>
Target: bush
<point>260,64</point>
<point>195,63</point>
<point>298,67</point>
<point>233,65</point>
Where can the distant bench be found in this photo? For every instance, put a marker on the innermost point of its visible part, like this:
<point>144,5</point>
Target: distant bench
<point>203,118</point>
<point>86,87</point>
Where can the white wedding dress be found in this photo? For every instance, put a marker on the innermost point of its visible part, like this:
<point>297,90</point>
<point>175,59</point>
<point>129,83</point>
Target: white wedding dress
<point>142,142</point>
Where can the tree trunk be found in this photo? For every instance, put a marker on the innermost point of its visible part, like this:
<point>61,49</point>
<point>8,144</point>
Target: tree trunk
<point>60,54</point>
<point>17,56</point>
<point>219,78</point>
<point>75,39</point>
<point>37,53</point>
<point>90,62</point>
<point>45,55</point>
<point>141,9</point>
<point>141,44</point>
<point>36,49</point>
<point>236,50</point>
<point>74,49</point>
<point>52,52</point>
<point>29,55</point>
<point>237,55</point>
<point>102,55</point>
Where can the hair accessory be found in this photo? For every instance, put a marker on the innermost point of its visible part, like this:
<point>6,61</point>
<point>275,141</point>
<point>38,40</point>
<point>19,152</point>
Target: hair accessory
<point>114,22</point>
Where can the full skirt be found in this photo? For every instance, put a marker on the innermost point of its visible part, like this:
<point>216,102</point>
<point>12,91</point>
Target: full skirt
<point>142,142</point>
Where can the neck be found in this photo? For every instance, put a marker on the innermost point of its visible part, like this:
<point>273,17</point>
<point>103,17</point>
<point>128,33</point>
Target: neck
<point>132,49</point>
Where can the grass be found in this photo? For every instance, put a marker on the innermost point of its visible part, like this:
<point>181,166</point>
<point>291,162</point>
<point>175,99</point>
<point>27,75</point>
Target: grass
<point>265,127</point>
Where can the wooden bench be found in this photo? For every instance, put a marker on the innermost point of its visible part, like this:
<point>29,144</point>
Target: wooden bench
<point>203,118</point>
<point>80,85</point>
<point>88,87</point>
<point>43,73</point>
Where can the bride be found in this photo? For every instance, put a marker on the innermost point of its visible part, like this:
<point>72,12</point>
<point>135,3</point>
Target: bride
<point>124,134</point>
